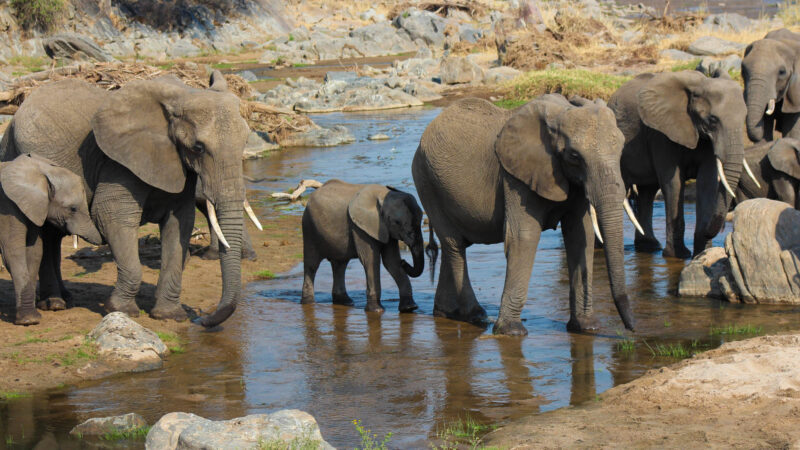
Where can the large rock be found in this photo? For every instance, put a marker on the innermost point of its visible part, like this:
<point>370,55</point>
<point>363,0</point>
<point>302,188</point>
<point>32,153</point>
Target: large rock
<point>727,22</point>
<point>74,46</point>
<point>258,144</point>
<point>283,428</point>
<point>424,25</point>
<point>99,426</point>
<point>714,46</point>
<point>126,345</point>
<point>761,262</point>
<point>676,55</point>
<point>460,69</point>
<point>710,66</point>
<point>500,74</point>
<point>320,137</point>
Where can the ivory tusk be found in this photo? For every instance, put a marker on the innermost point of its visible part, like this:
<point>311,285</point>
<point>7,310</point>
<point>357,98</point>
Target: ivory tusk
<point>212,217</point>
<point>596,227</point>
<point>252,215</point>
<point>722,178</point>
<point>750,173</point>
<point>74,241</point>
<point>629,210</point>
<point>771,107</point>
<point>635,189</point>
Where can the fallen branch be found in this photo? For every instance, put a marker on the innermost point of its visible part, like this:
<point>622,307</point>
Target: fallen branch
<point>304,184</point>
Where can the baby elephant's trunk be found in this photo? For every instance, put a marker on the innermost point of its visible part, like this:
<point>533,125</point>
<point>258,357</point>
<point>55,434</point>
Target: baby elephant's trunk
<point>417,252</point>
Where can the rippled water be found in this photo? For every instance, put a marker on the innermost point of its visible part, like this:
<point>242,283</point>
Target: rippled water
<point>406,374</point>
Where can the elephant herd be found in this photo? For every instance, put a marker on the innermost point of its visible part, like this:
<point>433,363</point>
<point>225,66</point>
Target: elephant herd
<point>94,163</point>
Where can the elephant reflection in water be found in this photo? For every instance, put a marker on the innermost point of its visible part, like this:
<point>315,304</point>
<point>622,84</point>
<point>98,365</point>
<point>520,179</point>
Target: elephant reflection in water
<point>581,352</point>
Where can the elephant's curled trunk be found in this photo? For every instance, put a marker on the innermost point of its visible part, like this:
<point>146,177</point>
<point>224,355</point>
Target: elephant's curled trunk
<point>417,253</point>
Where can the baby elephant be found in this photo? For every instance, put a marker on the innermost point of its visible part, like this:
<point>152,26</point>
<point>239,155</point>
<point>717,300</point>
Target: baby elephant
<point>35,190</point>
<point>343,221</point>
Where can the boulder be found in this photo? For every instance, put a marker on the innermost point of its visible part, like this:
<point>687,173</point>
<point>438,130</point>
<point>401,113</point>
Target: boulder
<point>425,68</point>
<point>460,69</point>
<point>714,46</point>
<point>281,429</point>
<point>424,25</point>
<point>500,74</point>
<point>320,137</point>
<point>727,22</point>
<point>677,55</point>
<point>468,33</point>
<point>340,76</point>
<point>258,144</point>
<point>378,137</point>
<point>70,45</point>
<point>126,345</point>
<point>183,48</point>
<point>710,66</point>
<point>761,262</point>
<point>248,76</point>
<point>99,426</point>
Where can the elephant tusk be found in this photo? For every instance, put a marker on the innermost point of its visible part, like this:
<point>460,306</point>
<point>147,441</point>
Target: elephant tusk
<point>252,215</point>
<point>771,107</point>
<point>212,217</point>
<point>596,227</point>
<point>635,189</point>
<point>750,173</point>
<point>629,210</point>
<point>74,241</point>
<point>724,180</point>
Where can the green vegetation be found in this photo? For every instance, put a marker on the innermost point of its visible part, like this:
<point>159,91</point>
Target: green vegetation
<point>510,103</point>
<point>29,64</point>
<point>626,345</point>
<point>31,339</point>
<point>85,352</point>
<point>173,341</point>
<point>291,38</point>
<point>688,65</point>
<point>138,434</point>
<point>370,441</point>
<point>567,82</point>
<point>462,433</point>
<point>166,66</point>
<point>264,274</point>
<point>11,395</point>
<point>302,442</point>
<point>298,65</point>
<point>789,12</point>
<point>667,324</point>
<point>669,350</point>
<point>41,14</point>
<point>279,61</point>
<point>734,329</point>
<point>223,66</point>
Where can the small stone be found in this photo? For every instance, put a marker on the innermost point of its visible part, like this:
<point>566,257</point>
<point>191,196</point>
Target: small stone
<point>99,426</point>
<point>378,137</point>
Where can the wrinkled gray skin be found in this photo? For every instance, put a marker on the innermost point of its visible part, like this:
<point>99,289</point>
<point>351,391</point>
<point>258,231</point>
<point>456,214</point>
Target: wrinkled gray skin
<point>140,151</point>
<point>487,175</point>
<point>212,251</point>
<point>35,191</point>
<point>343,221</point>
<point>771,70</point>
<point>676,125</point>
<point>776,166</point>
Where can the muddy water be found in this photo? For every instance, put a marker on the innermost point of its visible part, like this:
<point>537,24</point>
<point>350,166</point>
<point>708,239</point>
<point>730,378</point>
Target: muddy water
<point>406,374</point>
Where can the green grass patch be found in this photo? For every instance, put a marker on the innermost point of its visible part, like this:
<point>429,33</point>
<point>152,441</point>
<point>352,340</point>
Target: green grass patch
<point>139,434</point>
<point>734,329</point>
<point>264,274</point>
<point>177,349</point>
<point>87,351</point>
<point>41,14</point>
<point>302,442</point>
<point>168,337</point>
<point>29,63</point>
<point>626,345</point>
<point>667,324</point>
<point>11,395</point>
<point>567,82</point>
<point>31,339</point>
<point>166,66</point>
<point>687,65</point>
<point>222,65</point>
<point>669,350</point>
<point>510,103</point>
<point>299,65</point>
<point>462,433</point>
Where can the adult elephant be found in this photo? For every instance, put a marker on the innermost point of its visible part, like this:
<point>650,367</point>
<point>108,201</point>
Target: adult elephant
<point>776,170</point>
<point>677,126</point>
<point>487,175</point>
<point>772,85</point>
<point>140,151</point>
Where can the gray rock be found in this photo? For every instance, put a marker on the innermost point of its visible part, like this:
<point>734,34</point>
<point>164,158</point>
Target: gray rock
<point>632,36</point>
<point>701,277</point>
<point>320,137</point>
<point>67,45</point>
<point>248,76</point>
<point>714,46</point>
<point>282,428</point>
<point>380,39</point>
<point>101,425</point>
<point>468,33</point>
<point>459,69</point>
<point>677,55</point>
<point>126,345</point>
<point>425,68</point>
<point>372,15</point>
<point>258,144</point>
<point>183,49</point>
<point>423,25</point>
<point>423,53</point>
<point>727,22</point>
<point>422,91</point>
<point>500,74</point>
<point>340,76</point>
<point>378,137</point>
<point>709,66</point>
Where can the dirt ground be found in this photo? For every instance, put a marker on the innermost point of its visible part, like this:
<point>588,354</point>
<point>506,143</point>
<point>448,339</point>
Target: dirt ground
<point>745,394</point>
<point>53,353</point>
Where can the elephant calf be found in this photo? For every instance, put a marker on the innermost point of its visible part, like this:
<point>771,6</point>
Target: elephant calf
<point>343,221</point>
<point>35,190</point>
<point>775,167</point>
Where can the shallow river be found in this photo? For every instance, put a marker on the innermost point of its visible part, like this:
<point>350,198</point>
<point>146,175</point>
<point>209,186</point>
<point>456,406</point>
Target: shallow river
<point>405,374</point>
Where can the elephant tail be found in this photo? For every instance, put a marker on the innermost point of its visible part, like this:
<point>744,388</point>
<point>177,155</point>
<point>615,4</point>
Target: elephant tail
<point>432,250</point>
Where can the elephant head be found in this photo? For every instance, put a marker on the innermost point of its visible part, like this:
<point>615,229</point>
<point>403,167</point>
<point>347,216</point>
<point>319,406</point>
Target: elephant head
<point>688,107</point>
<point>44,191</point>
<point>784,156</point>
<point>164,132</point>
<point>559,150</point>
<point>385,213</point>
<point>771,81</point>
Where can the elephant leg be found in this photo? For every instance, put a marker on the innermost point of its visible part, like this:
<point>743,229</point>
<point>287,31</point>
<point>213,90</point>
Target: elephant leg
<point>785,190</point>
<point>454,297</point>
<point>53,294</point>
<point>176,230</point>
<point>520,249</point>
<point>23,273</point>
<point>390,255</point>
<point>311,260</point>
<point>705,204</point>
<point>577,230</point>
<point>672,188</point>
<point>123,241</point>
<point>369,254</point>
<point>339,293</point>
<point>646,242</point>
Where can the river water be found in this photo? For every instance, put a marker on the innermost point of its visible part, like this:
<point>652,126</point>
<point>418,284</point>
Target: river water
<point>750,8</point>
<point>407,374</point>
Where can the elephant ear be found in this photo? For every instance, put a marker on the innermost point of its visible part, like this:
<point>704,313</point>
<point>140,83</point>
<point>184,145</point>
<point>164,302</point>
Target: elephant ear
<point>364,210</point>
<point>664,106</point>
<point>24,183</point>
<point>791,101</point>
<point>527,151</point>
<point>784,157</point>
<point>133,130</point>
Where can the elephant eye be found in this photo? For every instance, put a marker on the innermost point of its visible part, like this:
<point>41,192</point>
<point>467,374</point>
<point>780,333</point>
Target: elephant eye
<point>199,148</point>
<point>782,71</point>
<point>73,209</point>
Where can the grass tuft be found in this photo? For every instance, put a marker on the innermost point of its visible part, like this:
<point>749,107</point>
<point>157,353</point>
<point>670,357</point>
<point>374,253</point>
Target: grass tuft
<point>371,441</point>
<point>567,82</point>
<point>87,351</point>
<point>734,329</point>
<point>264,274</point>
<point>669,350</point>
<point>41,14</point>
<point>510,103</point>
<point>462,432</point>
<point>138,434</point>
<point>789,12</point>
<point>688,65</point>
<point>11,395</point>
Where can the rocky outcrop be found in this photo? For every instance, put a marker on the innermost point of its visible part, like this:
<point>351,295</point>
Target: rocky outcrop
<point>127,346</point>
<point>460,69</point>
<point>99,426</point>
<point>320,137</point>
<point>72,46</point>
<point>760,262</point>
<point>714,46</point>
<point>282,429</point>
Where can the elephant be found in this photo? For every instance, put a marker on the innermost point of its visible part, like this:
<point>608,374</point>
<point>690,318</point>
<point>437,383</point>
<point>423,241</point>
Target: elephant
<point>212,251</point>
<point>678,126</point>
<point>771,73</point>
<point>776,171</point>
<point>140,151</point>
<point>34,190</point>
<point>343,221</point>
<point>487,175</point>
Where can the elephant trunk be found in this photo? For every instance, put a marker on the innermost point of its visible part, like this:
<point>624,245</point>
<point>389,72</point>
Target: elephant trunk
<point>729,148</point>
<point>607,197</point>
<point>418,253</point>
<point>85,228</point>
<point>757,95</point>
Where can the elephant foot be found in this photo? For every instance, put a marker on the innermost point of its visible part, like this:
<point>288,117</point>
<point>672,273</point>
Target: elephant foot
<point>28,318</point>
<point>209,254</point>
<point>647,245</point>
<point>307,299</point>
<point>52,304</point>
<point>374,307</point>
<point>407,305</point>
<point>512,327</point>
<point>582,324</point>
<point>128,307</point>
<point>476,315</point>
<point>342,299</point>
<point>169,311</point>
<point>677,252</point>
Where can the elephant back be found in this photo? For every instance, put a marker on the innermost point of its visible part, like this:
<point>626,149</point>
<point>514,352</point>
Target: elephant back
<point>625,104</point>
